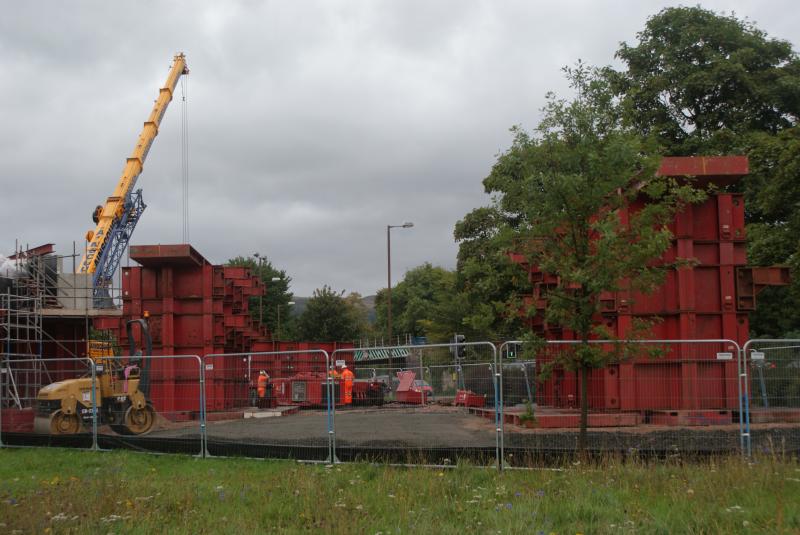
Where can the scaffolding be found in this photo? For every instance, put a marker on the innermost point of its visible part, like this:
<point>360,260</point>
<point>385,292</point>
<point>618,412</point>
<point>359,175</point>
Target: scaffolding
<point>23,370</point>
<point>45,314</point>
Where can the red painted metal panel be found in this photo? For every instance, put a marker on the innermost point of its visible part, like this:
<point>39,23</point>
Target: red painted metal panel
<point>705,166</point>
<point>656,386</point>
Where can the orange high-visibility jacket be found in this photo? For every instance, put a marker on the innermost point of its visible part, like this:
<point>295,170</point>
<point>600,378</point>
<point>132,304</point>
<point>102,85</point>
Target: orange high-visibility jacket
<point>262,385</point>
<point>348,377</point>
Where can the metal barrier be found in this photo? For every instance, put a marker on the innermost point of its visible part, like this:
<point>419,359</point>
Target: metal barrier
<point>657,397</point>
<point>411,404</point>
<point>151,403</point>
<point>34,411</point>
<point>246,416</point>
<point>771,390</point>
<point>435,404</point>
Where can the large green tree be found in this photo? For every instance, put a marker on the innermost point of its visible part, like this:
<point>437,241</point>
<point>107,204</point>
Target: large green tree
<point>489,282</point>
<point>702,83</point>
<point>274,304</point>
<point>561,192</point>
<point>330,317</point>
<point>424,303</point>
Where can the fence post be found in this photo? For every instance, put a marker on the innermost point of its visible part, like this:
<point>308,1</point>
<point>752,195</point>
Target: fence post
<point>95,410</point>
<point>740,380</point>
<point>498,418</point>
<point>3,373</point>
<point>203,430</point>
<point>331,408</point>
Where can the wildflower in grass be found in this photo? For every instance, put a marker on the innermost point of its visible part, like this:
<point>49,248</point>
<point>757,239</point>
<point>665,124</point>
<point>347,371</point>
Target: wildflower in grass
<point>540,493</point>
<point>518,494</point>
<point>509,506</point>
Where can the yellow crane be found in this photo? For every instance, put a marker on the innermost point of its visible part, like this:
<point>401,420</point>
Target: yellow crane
<point>117,218</point>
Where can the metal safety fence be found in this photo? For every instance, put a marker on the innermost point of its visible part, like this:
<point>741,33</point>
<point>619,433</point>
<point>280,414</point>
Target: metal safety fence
<point>653,397</point>
<point>251,396</point>
<point>47,402</point>
<point>409,404</point>
<point>434,404</point>
<point>771,389</point>
<point>151,403</point>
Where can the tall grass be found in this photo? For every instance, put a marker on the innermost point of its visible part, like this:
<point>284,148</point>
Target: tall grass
<point>63,491</point>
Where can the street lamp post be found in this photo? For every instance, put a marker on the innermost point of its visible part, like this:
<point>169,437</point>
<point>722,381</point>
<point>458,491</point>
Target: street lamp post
<point>407,224</point>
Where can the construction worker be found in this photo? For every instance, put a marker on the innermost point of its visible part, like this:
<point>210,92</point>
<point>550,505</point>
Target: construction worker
<point>263,381</point>
<point>347,377</point>
<point>334,373</point>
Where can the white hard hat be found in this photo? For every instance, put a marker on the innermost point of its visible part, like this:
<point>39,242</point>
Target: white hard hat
<point>263,372</point>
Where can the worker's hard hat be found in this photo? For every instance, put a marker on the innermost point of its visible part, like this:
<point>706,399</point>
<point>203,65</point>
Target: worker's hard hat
<point>344,365</point>
<point>263,372</point>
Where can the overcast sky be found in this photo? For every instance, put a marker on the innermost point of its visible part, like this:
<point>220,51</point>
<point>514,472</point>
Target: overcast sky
<point>312,125</point>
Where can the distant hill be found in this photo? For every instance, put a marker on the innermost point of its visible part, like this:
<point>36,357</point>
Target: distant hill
<point>301,302</point>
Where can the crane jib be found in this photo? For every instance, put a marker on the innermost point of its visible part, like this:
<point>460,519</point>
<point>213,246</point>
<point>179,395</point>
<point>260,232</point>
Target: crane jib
<point>120,213</point>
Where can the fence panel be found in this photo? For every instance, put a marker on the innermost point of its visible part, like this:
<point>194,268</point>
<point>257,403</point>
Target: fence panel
<point>283,413</point>
<point>150,403</point>
<point>46,402</point>
<point>772,390</point>
<point>652,397</point>
<point>417,404</point>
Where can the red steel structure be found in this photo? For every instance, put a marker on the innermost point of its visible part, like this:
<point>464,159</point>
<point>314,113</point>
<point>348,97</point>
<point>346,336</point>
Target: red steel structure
<point>708,299</point>
<point>196,308</point>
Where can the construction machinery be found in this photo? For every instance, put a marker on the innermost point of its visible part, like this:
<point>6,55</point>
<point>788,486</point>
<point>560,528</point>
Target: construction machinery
<point>117,218</point>
<point>120,389</point>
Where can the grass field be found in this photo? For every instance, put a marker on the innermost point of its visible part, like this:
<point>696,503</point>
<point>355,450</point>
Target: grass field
<point>62,491</point>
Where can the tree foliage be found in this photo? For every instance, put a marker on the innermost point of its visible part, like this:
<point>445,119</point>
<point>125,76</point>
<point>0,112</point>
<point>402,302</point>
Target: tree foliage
<point>697,79</point>
<point>275,301</point>
<point>330,317</point>
<point>424,303</point>
<point>488,282</point>
<point>703,84</point>
<point>564,197</point>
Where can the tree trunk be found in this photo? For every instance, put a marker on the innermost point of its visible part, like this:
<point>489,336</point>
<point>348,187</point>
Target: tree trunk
<point>584,409</point>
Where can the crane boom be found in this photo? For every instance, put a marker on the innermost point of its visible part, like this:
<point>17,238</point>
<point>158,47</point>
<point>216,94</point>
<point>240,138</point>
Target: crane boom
<point>117,218</point>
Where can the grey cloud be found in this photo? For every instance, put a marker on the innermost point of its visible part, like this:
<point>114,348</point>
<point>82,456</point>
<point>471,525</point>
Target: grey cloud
<point>313,125</point>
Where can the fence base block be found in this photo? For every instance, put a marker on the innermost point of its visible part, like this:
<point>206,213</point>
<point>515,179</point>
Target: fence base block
<point>271,413</point>
<point>777,415</point>
<point>690,418</point>
<point>17,420</point>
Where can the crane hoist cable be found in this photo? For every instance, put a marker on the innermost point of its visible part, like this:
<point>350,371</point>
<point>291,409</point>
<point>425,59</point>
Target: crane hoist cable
<point>184,160</point>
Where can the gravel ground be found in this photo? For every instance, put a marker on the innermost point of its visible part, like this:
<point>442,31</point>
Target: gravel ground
<point>450,427</point>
